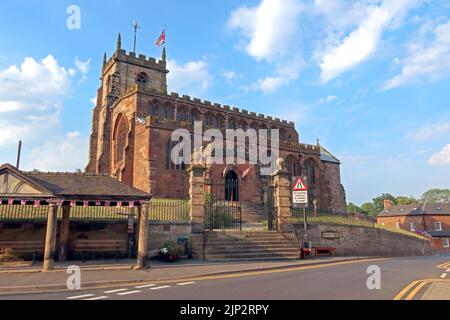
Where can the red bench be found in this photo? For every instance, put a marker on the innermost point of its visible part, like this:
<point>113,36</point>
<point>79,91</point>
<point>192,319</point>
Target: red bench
<point>322,251</point>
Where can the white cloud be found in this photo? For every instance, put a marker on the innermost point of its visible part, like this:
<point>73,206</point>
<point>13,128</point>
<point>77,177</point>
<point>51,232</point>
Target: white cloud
<point>83,66</point>
<point>431,131</point>
<point>425,62</point>
<point>191,78</point>
<point>360,44</point>
<point>65,153</point>
<point>231,76</point>
<point>30,98</point>
<point>328,99</point>
<point>442,157</point>
<point>31,101</point>
<point>267,28</point>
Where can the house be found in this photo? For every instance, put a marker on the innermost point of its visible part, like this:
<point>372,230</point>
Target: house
<point>430,219</point>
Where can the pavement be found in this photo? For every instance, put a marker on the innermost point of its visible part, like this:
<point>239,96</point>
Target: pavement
<point>400,278</point>
<point>25,278</point>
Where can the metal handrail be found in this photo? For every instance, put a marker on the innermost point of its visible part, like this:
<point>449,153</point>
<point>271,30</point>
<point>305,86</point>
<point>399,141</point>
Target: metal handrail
<point>290,228</point>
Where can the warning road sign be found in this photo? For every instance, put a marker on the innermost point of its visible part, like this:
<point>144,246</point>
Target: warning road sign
<point>300,185</point>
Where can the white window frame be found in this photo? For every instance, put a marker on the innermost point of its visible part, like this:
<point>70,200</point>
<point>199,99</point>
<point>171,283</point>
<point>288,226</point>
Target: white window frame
<point>446,243</point>
<point>436,224</point>
<point>412,226</point>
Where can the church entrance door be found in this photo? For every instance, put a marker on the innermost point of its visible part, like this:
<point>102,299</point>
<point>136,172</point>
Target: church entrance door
<point>232,187</point>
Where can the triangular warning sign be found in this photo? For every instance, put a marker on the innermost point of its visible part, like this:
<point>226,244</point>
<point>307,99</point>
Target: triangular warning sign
<point>300,185</point>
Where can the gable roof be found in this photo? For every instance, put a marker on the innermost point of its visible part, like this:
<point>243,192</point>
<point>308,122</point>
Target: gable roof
<point>327,156</point>
<point>417,209</point>
<point>78,185</point>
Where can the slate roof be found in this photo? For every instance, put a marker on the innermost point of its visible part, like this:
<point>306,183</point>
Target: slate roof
<point>326,156</point>
<point>417,209</point>
<point>79,185</point>
<point>437,234</point>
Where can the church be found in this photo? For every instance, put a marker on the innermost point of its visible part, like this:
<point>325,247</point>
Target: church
<point>134,119</point>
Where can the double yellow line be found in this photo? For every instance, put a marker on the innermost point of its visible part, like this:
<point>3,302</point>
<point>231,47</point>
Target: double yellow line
<point>414,287</point>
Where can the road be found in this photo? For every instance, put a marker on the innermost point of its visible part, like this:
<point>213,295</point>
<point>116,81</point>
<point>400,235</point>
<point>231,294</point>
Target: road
<point>335,281</point>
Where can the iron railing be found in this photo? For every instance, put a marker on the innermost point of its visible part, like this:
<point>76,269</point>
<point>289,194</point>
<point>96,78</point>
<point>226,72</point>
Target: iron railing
<point>223,215</point>
<point>169,210</point>
<point>28,213</point>
<point>330,217</point>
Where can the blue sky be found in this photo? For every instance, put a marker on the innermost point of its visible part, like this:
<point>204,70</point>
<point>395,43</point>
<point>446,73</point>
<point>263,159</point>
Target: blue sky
<point>369,78</point>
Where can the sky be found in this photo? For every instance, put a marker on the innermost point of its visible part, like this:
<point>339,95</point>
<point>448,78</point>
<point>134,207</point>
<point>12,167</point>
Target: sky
<point>369,78</point>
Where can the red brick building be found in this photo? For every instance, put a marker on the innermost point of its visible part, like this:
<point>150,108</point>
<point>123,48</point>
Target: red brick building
<point>135,117</point>
<point>432,219</point>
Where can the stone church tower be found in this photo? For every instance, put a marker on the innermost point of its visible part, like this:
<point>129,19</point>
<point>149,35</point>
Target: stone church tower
<point>135,117</point>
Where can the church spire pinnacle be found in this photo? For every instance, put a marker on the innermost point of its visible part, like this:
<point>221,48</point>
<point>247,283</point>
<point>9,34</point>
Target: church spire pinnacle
<point>119,42</point>
<point>164,54</point>
<point>104,59</point>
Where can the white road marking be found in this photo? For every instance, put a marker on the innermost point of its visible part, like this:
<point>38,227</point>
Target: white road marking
<point>145,286</point>
<point>96,298</point>
<point>185,283</point>
<point>116,290</point>
<point>81,297</point>
<point>129,292</point>
<point>158,288</point>
<point>444,275</point>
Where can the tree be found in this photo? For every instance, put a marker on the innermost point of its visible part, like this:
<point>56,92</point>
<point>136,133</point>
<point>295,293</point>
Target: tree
<point>406,200</point>
<point>369,208</point>
<point>378,202</point>
<point>353,209</point>
<point>436,196</point>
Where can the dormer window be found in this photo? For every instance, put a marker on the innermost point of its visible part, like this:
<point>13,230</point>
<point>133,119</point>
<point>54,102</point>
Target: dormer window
<point>142,78</point>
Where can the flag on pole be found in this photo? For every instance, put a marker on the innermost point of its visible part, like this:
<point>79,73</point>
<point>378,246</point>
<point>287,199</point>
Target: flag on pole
<point>162,39</point>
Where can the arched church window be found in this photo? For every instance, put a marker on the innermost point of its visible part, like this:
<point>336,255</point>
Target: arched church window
<point>232,123</point>
<point>142,78</point>
<point>310,172</point>
<point>194,116</point>
<point>154,109</point>
<point>181,114</point>
<point>120,138</point>
<point>209,120</point>
<point>168,112</point>
<point>219,122</point>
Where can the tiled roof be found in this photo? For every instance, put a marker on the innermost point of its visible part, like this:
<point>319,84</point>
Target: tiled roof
<point>417,209</point>
<point>73,184</point>
<point>326,156</point>
<point>437,234</point>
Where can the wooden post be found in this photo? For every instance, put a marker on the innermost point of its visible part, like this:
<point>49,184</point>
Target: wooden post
<point>50,238</point>
<point>143,237</point>
<point>65,232</point>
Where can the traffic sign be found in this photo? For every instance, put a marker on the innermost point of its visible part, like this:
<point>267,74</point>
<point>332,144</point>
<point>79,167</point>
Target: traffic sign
<point>300,185</point>
<point>300,197</point>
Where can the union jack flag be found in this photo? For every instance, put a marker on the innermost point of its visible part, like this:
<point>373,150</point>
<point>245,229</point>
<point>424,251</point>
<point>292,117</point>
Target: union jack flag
<point>162,39</point>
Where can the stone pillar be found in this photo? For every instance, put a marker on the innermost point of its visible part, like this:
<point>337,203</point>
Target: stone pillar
<point>64,233</point>
<point>50,238</point>
<point>143,237</point>
<point>197,197</point>
<point>283,197</point>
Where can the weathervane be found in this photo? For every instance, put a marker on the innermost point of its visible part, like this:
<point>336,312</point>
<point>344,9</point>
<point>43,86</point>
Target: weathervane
<point>136,27</point>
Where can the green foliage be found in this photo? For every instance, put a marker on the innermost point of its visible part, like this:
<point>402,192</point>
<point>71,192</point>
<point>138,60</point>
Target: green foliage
<point>353,209</point>
<point>436,196</point>
<point>406,200</point>
<point>173,249</point>
<point>369,207</point>
<point>378,202</point>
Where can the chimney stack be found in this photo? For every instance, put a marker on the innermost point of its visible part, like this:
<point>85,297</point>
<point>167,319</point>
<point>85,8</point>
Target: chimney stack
<point>387,204</point>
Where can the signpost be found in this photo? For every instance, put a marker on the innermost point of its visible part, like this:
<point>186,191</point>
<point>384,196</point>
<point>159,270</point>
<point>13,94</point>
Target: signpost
<point>300,197</point>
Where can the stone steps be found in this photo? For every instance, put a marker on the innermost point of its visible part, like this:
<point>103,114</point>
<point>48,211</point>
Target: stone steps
<point>249,246</point>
